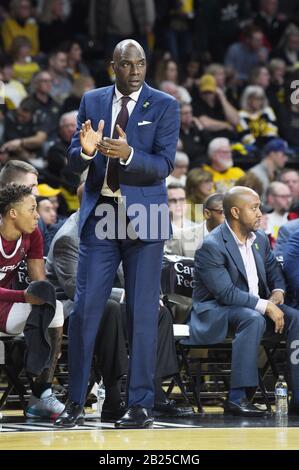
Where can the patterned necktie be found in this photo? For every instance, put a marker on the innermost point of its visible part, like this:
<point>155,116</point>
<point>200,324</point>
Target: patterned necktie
<point>121,120</point>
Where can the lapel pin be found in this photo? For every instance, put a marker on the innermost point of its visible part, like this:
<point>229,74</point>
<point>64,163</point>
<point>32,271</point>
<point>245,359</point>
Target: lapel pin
<point>145,104</point>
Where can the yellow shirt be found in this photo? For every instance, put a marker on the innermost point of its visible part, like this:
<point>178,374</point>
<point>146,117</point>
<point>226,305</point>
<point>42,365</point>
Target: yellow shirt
<point>11,29</point>
<point>225,180</point>
<point>25,72</point>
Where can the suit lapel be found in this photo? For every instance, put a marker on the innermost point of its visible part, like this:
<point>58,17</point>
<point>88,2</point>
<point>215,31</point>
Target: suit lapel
<point>260,265</point>
<point>234,251</point>
<point>106,105</point>
<point>139,111</point>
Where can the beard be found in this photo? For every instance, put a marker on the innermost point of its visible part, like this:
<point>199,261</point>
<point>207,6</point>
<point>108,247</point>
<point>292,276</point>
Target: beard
<point>226,163</point>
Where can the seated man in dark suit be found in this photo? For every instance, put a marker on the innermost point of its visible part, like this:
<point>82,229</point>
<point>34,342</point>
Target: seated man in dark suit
<point>111,350</point>
<point>239,288</point>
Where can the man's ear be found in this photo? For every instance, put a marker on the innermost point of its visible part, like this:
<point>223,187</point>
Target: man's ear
<point>207,214</point>
<point>112,65</point>
<point>235,211</point>
<point>13,213</point>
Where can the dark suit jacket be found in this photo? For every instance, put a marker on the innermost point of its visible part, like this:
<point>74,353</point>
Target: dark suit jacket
<point>143,179</point>
<point>220,280</point>
<point>291,268</point>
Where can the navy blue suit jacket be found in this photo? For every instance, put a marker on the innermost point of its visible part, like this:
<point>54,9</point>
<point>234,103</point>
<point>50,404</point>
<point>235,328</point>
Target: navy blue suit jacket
<point>142,181</point>
<point>220,280</point>
<point>291,268</point>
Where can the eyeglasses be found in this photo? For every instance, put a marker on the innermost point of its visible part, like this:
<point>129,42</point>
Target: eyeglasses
<point>219,211</point>
<point>284,196</point>
<point>175,201</point>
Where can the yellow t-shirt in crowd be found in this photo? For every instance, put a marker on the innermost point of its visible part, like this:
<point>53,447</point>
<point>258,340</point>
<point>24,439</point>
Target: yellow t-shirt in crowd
<point>11,29</point>
<point>24,72</point>
<point>225,180</point>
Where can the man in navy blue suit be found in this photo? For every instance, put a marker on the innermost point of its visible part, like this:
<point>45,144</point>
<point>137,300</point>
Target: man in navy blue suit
<point>239,288</point>
<point>123,217</point>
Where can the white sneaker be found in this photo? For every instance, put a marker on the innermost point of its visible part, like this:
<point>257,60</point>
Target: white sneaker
<point>48,407</point>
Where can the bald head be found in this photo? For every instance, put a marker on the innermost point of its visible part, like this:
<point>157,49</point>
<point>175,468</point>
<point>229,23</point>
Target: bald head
<point>237,197</point>
<point>129,65</point>
<point>121,47</point>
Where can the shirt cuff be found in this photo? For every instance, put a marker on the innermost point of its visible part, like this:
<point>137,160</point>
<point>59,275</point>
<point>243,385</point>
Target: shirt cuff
<point>87,157</point>
<point>278,290</point>
<point>126,162</point>
<point>261,306</point>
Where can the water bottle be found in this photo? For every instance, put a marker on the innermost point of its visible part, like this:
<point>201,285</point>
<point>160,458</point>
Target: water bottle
<point>281,396</point>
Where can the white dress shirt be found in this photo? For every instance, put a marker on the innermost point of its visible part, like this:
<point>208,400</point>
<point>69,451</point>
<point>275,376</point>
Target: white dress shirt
<point>116,107</point>
<point>250,268</point>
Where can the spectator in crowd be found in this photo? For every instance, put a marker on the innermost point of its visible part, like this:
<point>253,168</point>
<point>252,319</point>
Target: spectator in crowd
<point>46,191</point>
<point>47,109</point>
<point>274,160</point>
<point>75,65</point>
<point>173,28</point>
<point>260,76</point>
<point>218,24</point>
<point>289,50</point>
<point>20,23</point>
<point>276,89</point>
<point>46,211</point>
<point>61,83</point>
<point>80,86</point>
<point>194,139</point>
<point>192,72</point>
<point>290,177</point>
<point>221,165</point>
<point>23,66</point>
<point>270,21</point>
<point>239,287</point>
<point>48,224</point>
<point>257,120</point>
<point>172,89</point>
<point>15,92</point>
<point>188,239</point>
<point>177,206</point>
<point>179,173</point>
<point>120,19</point>
<point>169,73</point>
<point>199,186</point>
<point>250,180</point>
<point>57,153</point>
<point>24,132</point>
<point>243,56</point>
<point>215,113</point>
<point>55,25</point>
<point>21,239</point>
<point>279,198</point>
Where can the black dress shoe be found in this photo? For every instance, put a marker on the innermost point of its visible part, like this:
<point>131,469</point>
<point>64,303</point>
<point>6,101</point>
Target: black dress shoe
<point>72,415</point>
<point>112,413</point>
<point>136,417</point>
<point>168,408</point>
<point>244,408</point>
